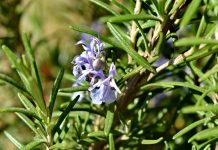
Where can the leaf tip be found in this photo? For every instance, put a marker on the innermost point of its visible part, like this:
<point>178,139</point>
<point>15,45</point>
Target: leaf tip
<point>174,137</point>
<point>4,47</point>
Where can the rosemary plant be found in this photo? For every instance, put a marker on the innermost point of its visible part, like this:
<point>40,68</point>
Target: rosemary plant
<point>150,82</point>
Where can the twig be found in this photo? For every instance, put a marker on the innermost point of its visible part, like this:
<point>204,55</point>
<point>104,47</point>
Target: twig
<point>174,61</point>
<point>134,30</point>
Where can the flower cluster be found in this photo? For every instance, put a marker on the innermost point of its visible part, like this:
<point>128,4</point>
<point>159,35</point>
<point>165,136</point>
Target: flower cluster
<point>90,66</point>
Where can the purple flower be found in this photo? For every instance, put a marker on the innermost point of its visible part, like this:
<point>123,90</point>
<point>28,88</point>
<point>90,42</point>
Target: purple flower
<point>105,89</point>
<point>89,66</point>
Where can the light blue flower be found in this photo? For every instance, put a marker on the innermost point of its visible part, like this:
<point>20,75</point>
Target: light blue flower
<point>104,93</point>
<point>105,90</point>
<point>89,66</point>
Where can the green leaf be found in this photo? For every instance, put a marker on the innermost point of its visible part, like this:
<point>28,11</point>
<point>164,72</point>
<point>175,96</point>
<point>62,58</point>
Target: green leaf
<point>201,98</point>
<point>32,62</point>
<point>27,47</point>
<point>196,70</point>
<point>13,140</point>
<point>11,56</point>
<point>74,89</point>
<point>35,73</point>
<point>37,95</point>
<point>64,114</point>
<point>33,145</point>
<point>27,79</point>
<point>210,30</point>
<point>94,33</point>
<point>111,142</point>
<point>171,84</point>
<point>65,94</point>
<point>130,74</point>
<point>202,26</point>
<point>206,51</point>
<point>166,7</point>
<point>16,63</point>
<point>160,42</point>
<point>148,24</point>
<point>134,71</point>
<point>130,17</point>
<point>62,145</point>
<point>27,104</point>
<point>176,6</point>
<point>121,6</point>
<point>24,74</point>
<point>12,82</point>
<point>91,140</point>
<point>147,142</point>
<point>205,134</point>
<point>92,111</point>
<point>191,41</point>
<point>161,4</point>
<point>105,6</point>
<point>128,48</point>
<point>154,7</point>
<point>210,141</point>
<point>109,119</point>
<point>195,109</point>
<point>213,70</point>
<point>20,110</point>
<point>98,134</point>
<point>157,84</point>
<point>70,77</point>
<point>143,36</point>
<point>190,12</point>
<point>54,92</point>
<point>30,124</point>
<point>190,127</point>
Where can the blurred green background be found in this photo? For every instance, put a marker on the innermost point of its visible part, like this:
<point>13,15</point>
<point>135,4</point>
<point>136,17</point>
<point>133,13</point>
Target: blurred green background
<point>47,24</point>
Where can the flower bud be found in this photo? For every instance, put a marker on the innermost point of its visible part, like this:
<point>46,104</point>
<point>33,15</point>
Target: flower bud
<point>97,64</point>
